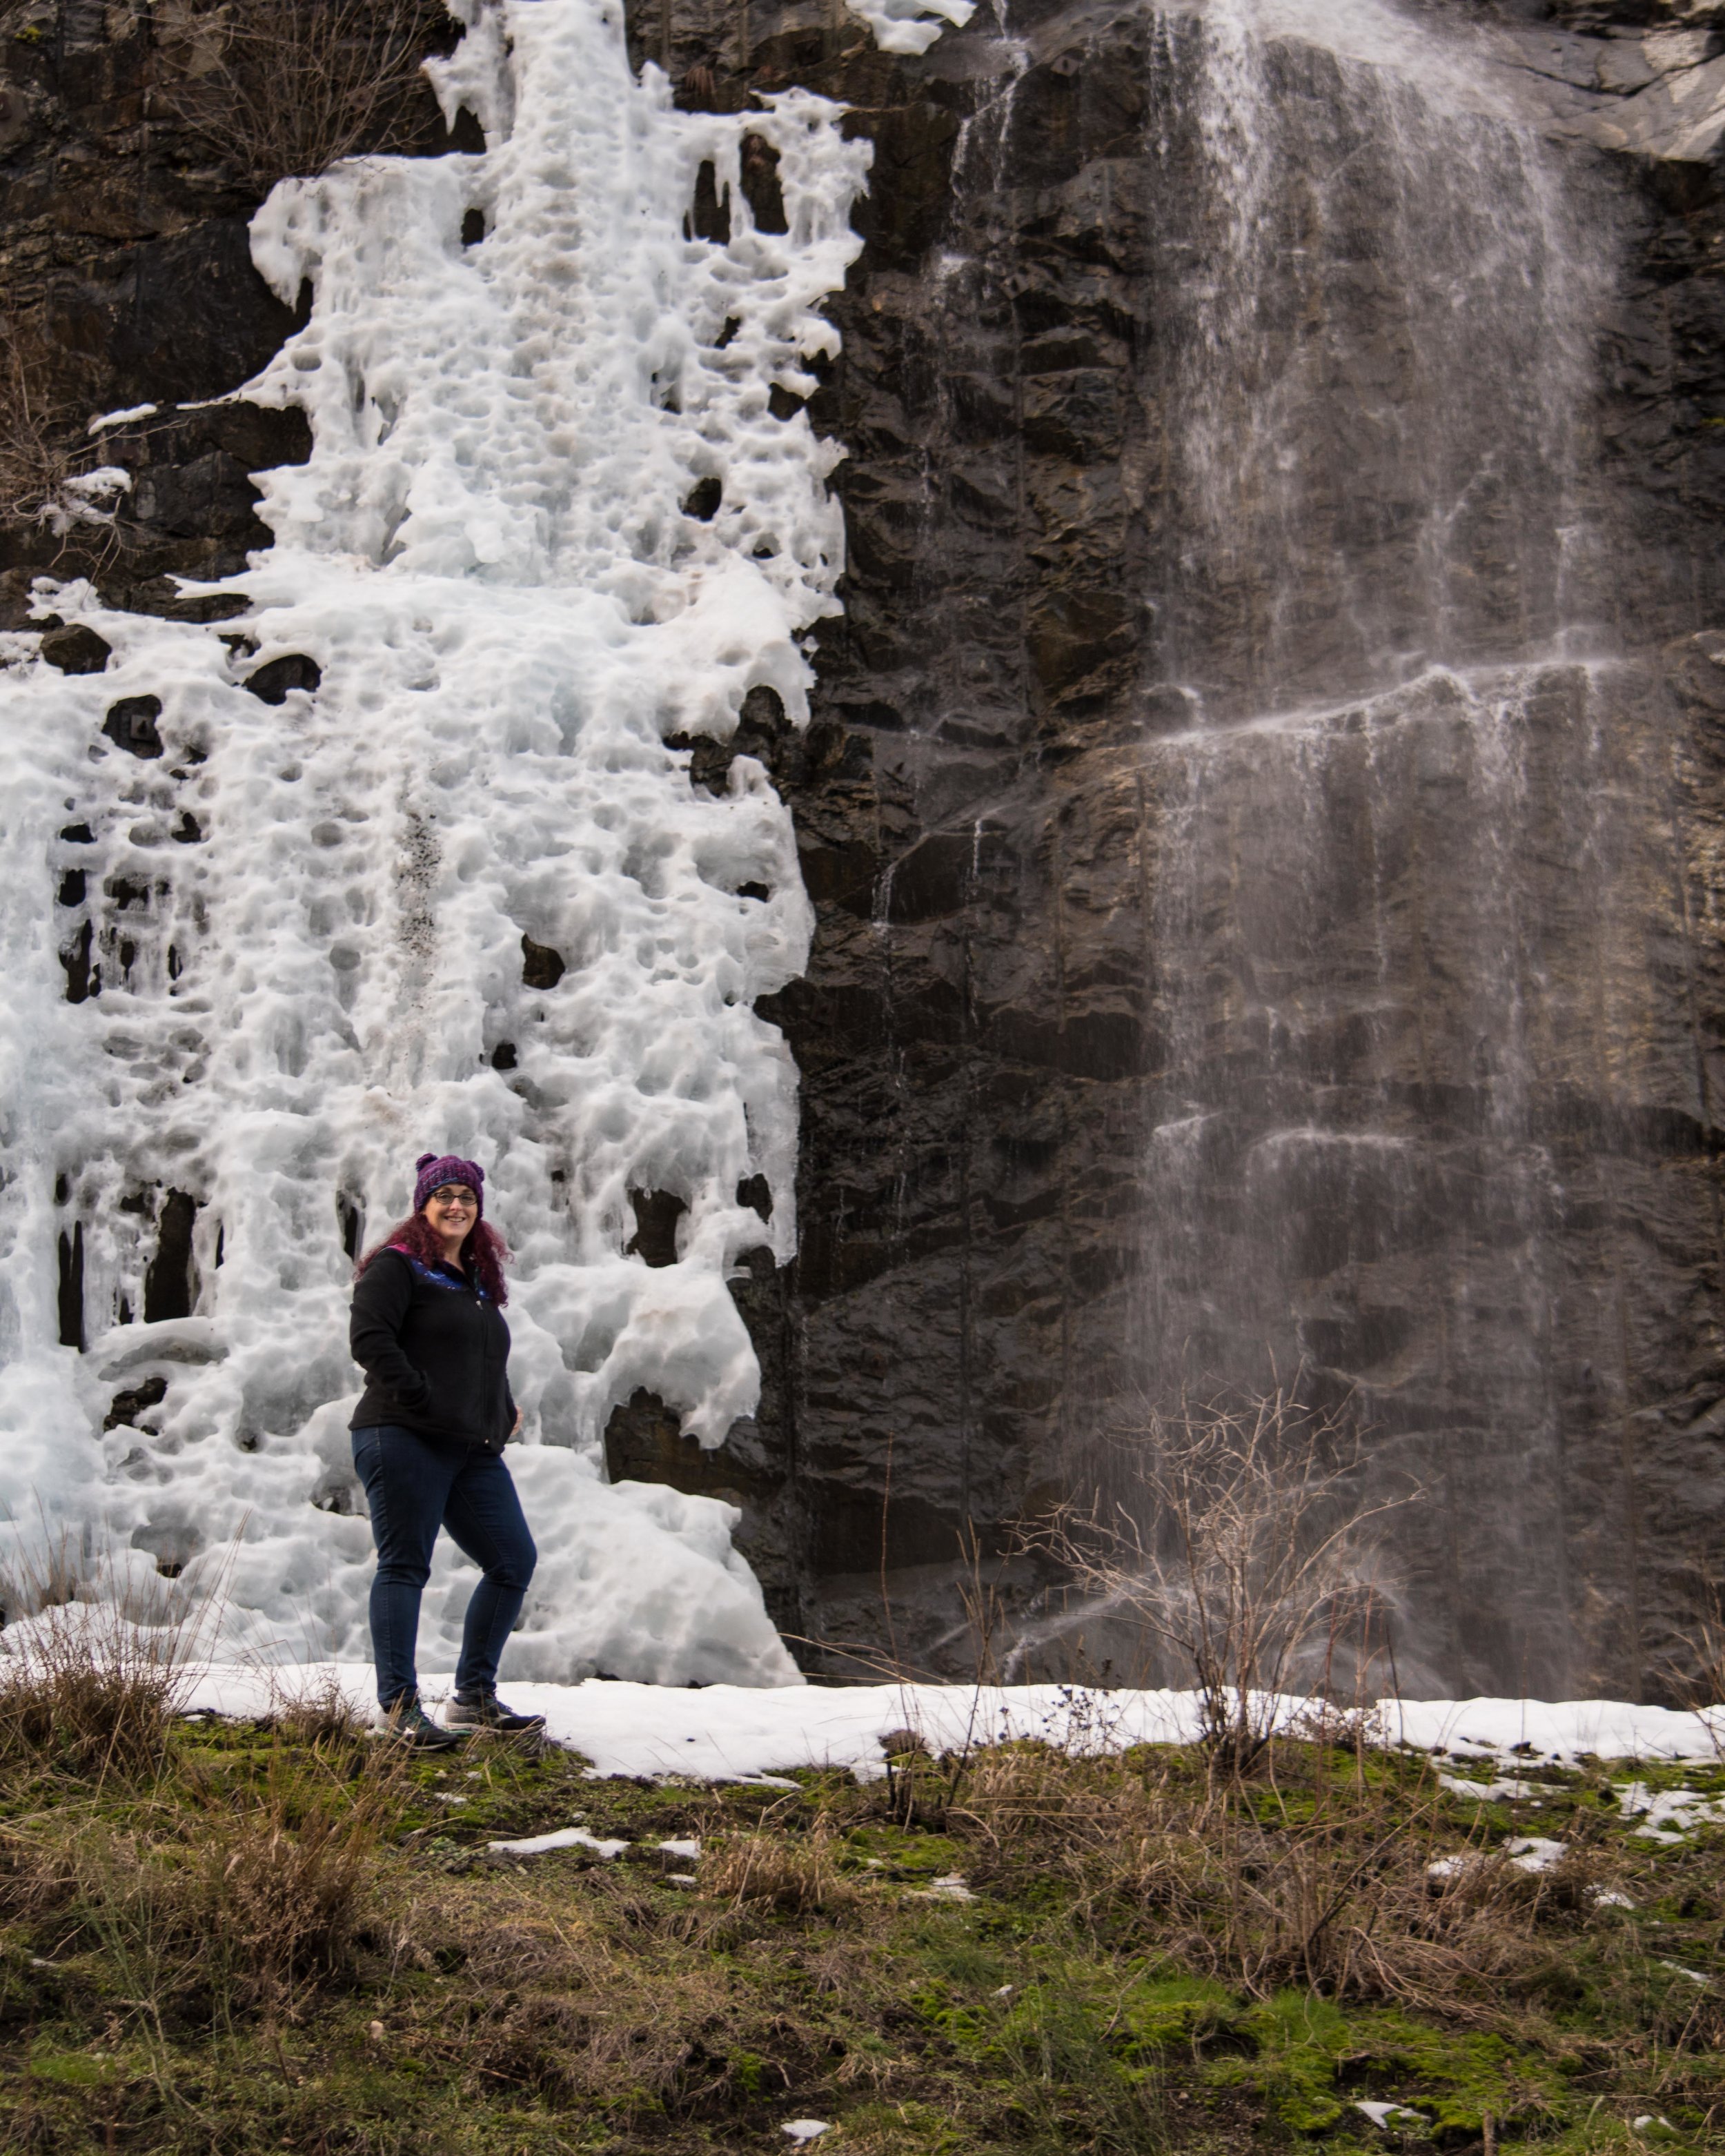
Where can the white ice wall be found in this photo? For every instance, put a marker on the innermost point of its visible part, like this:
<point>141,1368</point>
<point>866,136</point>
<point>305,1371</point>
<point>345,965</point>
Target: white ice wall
<point>307,917</point>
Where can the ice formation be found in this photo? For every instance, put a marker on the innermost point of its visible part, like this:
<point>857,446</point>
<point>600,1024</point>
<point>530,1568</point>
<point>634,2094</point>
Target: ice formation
<point>285,864</point>
<point>910,25</point>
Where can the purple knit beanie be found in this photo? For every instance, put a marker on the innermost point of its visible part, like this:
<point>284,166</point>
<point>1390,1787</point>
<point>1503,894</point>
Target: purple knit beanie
<point>435,1169</point>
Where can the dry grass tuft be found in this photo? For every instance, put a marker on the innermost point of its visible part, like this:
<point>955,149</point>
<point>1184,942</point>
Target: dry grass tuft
<point>1320,1878</point>
<point>796,1876</point>
<point>209,1907</point>
<point>210,1894</point>
<point>311,1709</point>
<point>594,1994</point>
<point>282,1886</point>
<point>87,1688</point>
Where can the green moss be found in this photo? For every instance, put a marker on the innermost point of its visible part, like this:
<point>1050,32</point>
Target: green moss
<point>1165,2013</point>
<point>1312,2060</point>
<point>1299,2040</point>
<point>1080,2004</point>
<point>901,1852</point>
<point>911,2129</point>
<point>75,2070</point>
<point>748,2072</point>
<point>1458,2077</point>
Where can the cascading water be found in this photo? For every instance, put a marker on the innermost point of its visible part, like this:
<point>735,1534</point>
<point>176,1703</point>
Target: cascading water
<point>1377,378</point>
<point>274,881</point>
<point>1412,884</point>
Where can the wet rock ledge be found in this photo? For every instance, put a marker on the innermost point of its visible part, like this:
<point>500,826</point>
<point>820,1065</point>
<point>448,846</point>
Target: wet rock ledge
<point>977,1030</point>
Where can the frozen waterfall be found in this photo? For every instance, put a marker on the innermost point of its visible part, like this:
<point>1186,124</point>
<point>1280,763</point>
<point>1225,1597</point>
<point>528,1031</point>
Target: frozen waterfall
<point>400,858</point>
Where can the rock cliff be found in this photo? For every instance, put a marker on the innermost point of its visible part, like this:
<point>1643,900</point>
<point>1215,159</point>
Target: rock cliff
<point>989,1033</point>
<point>126,278</point>
<point>1047,939</point>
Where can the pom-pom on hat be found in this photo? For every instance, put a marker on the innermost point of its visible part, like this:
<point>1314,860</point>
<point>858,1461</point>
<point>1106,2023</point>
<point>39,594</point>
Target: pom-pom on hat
<point>435,1169</point>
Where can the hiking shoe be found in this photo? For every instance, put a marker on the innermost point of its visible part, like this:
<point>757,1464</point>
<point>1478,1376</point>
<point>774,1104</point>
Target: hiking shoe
<point>407,1722</point>
<point>484,1709</point>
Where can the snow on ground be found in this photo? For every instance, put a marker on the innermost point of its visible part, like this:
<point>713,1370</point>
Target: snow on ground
<point>725,1732</point>
<point>269,877</point>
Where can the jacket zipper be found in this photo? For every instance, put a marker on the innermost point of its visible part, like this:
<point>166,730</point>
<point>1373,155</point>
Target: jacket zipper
<point>486,1386</point>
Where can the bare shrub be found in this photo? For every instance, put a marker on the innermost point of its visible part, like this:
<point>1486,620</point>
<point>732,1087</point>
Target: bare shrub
<point>38,450</point>
<point>51,478</point>
<point>1238,1544</point>
<point>1694,1668</point>
<point>302,84</point>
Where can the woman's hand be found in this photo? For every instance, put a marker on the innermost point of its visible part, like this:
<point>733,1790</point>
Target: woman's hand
<point>514,1428</point>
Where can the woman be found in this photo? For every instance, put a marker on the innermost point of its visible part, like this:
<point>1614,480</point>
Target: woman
<point>429,1436</point>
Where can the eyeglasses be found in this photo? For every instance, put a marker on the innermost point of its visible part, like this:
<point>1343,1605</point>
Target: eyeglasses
<point>452,1195</point>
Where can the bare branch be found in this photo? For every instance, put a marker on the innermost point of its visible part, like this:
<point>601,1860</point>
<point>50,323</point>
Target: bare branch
<point>303,84</point>
<point>50,474</point>
<point>1242,1541</point>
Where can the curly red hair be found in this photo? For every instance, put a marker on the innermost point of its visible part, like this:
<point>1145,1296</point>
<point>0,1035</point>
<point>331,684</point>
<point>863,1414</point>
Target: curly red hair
<point>484,1253</point>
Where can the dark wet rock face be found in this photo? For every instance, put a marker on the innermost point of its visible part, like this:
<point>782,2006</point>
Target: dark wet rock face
<point>271,683</point>
<point>657,1213</point>
<point>130,724</point>
<point>75,650</point>
<point>1261,855</point>
<point>542,967</point>
<point>126,280</point>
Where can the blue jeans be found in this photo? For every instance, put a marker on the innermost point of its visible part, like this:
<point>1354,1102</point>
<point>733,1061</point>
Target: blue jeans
<point>414,1485</point>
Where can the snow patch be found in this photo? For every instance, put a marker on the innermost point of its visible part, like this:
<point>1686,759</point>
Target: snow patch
<point>1532,1852</point>
<point>1512,1732</point>
<point>728,1733</point>
<point>1517,1792</point>
<point>951,1886</point>
<point>562,1837</point>
<point>1668,1815</point>
<point>106,419</point>
<point>1393,2117</point>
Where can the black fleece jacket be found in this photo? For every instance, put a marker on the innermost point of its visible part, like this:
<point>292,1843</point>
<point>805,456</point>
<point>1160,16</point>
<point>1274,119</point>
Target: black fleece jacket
<point>435,1352</point>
